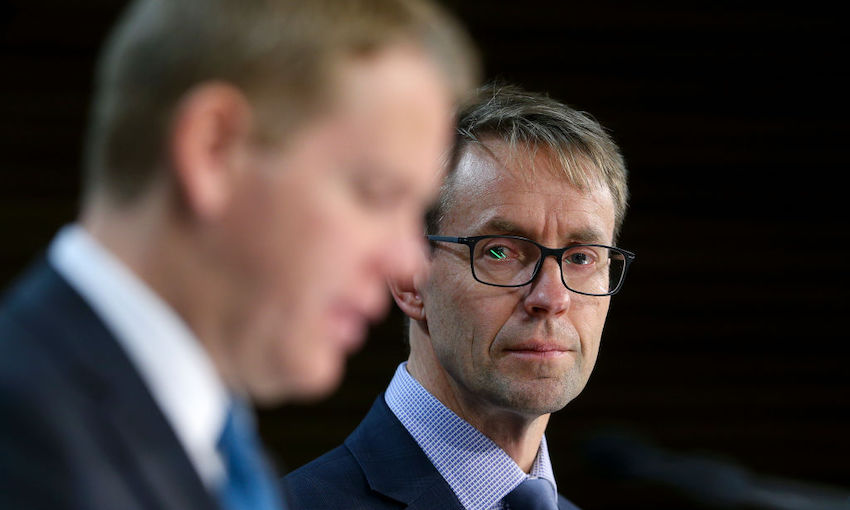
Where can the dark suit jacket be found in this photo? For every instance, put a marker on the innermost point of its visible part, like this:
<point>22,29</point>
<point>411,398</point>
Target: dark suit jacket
<point>78,428</point>
<point>379,467</point>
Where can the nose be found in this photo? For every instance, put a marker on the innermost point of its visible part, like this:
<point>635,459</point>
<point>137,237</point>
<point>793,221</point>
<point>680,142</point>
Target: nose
<point>397,255</point>
<point>407,258</point>
<point>547,296</point>
<point>405,255</point>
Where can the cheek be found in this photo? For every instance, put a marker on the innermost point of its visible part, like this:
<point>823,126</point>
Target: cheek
<point>310,236</point>
<point>589,319</point>
<point>286,331</point>
<point>289,358</point>
<point>468,315</point>
<point>489,315</point>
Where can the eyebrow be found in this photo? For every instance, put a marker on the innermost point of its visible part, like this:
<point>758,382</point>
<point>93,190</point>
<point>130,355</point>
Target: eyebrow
<point>504,226</point>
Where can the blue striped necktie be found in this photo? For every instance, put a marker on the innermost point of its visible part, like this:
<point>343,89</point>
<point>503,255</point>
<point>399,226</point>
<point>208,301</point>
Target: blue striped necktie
<point>532,494</point>
<point>249,484</point>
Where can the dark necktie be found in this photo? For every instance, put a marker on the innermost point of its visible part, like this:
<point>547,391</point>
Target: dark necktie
<point>532,494</point>
<point>249,484</point>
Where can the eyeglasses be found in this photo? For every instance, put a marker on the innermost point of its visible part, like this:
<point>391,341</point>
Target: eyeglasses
<point>513,261</point>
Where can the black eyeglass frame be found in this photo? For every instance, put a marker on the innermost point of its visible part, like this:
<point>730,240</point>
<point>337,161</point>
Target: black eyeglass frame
<point>545,251</point>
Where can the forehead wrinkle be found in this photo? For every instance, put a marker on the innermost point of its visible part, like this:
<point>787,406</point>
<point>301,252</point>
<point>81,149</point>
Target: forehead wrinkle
<point>503,225</point>
<point>527,160</point>
<point>481,172</point>
<point>500,225</point>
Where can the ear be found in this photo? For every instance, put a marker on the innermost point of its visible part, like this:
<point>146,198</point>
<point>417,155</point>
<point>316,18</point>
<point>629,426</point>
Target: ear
<point>209,139</point>
<point>405,291</point>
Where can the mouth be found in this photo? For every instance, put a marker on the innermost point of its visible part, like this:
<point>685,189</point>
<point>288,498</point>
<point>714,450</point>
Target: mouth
<point>350,323</point>
<point>539,350</point>
<point>349,328</point>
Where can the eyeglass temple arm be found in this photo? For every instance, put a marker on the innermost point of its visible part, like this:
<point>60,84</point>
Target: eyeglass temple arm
<point>447,239</point>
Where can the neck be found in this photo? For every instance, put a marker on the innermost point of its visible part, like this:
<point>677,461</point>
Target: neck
<point>158,246</point>
<point>515,432</point>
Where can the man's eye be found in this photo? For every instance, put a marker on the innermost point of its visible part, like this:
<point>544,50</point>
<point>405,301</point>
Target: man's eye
<point>579,258</point>
<point>498,253</point>
<point>377,194</point>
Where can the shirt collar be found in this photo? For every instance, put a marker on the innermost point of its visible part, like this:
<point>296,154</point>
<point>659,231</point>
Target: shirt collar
<point>477,470</point>
<point>176,369</point>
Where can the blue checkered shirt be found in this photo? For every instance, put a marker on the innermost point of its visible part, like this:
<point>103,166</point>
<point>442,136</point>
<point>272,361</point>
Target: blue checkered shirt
<point>478,471</point>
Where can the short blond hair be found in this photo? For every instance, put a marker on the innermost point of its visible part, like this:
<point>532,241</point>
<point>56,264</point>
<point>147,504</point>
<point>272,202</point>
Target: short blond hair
<point>584,150</point>
<point>280,53</point>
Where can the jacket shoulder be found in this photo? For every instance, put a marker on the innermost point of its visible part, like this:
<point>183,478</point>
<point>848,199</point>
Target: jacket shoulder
<point>334,480</point>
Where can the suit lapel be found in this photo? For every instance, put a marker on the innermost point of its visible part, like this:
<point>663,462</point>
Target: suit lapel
<point>135,431</point>
<point>436,496</point>
<point>394,464</point>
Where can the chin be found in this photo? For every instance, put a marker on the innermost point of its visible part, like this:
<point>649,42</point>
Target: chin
<point>305,390</point>
<point>536,398</point>
<point>316,382</point>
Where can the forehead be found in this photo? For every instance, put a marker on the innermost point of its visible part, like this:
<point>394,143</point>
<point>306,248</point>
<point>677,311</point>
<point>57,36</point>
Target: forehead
<point>388,114</point>
<point>525,191</point>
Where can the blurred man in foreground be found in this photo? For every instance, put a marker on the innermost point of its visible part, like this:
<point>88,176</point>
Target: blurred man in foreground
<point>505,326</point>
<point>255,170</point>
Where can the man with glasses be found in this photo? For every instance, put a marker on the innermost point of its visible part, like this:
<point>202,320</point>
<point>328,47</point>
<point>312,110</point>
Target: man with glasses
<point>505,325</point>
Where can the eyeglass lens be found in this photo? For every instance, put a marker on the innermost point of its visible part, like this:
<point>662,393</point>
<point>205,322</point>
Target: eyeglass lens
<point>585,269</point>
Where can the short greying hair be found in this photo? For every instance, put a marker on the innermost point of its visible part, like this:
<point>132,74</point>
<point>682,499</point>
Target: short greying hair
<point>282,54</point>
<point>523,119</point>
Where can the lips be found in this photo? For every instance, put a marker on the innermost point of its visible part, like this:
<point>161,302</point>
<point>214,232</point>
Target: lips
<point>539,349</point>
<point>349,328</point>
<point>350,321</point>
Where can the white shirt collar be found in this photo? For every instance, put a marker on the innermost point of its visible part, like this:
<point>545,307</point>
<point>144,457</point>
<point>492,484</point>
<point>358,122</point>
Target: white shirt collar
<point>177,370</point>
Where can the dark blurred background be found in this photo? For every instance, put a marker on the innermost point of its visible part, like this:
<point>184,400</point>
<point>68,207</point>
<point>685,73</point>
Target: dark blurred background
<point>725,357</point>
